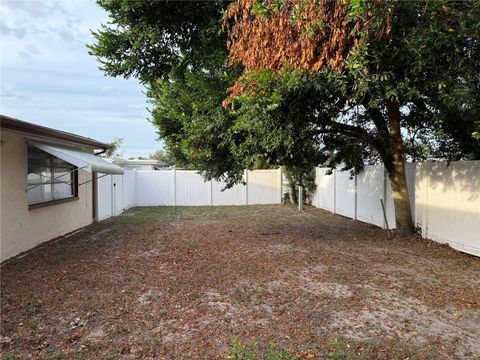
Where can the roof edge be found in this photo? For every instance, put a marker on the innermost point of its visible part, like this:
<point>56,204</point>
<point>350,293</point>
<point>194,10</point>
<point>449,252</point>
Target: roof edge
<point>7,122</point>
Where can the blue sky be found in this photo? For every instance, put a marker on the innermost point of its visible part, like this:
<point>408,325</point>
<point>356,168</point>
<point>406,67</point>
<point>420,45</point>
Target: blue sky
<point>48,78</point>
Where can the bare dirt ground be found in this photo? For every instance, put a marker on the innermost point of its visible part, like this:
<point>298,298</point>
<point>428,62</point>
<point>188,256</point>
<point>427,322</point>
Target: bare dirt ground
<point>183,283</point>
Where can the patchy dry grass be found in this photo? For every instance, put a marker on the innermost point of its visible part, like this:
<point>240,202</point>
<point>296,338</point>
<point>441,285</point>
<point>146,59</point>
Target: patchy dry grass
<point>184,282</point>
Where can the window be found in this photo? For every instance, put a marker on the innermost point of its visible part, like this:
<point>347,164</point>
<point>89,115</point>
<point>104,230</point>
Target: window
<point>49,178</point>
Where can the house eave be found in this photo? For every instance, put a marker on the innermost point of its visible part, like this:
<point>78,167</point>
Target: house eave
<point>44,133</point>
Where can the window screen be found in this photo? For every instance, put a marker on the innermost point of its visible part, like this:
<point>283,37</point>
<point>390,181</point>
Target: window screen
<point>49,178</point>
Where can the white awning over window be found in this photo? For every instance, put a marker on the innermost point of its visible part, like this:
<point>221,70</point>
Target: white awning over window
<point>81,159</point>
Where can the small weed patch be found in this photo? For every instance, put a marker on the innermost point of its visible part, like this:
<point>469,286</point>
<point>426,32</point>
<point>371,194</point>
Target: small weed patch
<point>241,351</point>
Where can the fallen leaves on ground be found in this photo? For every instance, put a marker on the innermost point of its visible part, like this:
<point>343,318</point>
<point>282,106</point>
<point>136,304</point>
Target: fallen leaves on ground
<point>184,282</point>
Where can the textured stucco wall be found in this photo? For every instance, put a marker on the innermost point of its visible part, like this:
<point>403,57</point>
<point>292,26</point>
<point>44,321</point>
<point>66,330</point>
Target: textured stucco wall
<point>20,228</point>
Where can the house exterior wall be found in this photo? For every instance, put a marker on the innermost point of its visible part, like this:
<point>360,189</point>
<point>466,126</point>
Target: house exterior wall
<point>20,228</point>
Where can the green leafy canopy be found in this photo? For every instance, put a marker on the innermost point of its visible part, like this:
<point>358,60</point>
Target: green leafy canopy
<point>429,67</point>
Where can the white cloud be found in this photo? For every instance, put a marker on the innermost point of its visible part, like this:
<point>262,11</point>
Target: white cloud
<point>7,94</point>
<point>18,32</point>
<point>32,8</point>
<point>47,76</point>
<point>29,53</point>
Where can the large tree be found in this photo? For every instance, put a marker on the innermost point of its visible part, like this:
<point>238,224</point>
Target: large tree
<point>393,70</point>
<point>179,51</point>
<point>151,39</point>
<point>310,82</point>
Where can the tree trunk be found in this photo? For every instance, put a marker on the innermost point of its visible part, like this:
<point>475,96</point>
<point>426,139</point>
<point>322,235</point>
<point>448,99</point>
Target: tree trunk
<point>395,166</point>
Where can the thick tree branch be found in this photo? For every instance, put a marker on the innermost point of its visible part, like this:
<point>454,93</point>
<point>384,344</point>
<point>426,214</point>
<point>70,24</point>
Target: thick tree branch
<point>377,117</point>
<point>354,132</point>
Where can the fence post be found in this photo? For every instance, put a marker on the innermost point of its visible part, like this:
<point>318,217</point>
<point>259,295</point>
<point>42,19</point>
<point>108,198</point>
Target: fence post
<point>174,187</point>
<point>281,185</point>
<point>211,192</point>
<point>426,183</point>
<point>300,198</point>
<point>135,195</point>
<point>334,191</point>
<point>385,185</point>
<point>246,187</point>
<point>95,196</point>
<point>355,201</point>
<point>123,193</point>
<point>112,203</point>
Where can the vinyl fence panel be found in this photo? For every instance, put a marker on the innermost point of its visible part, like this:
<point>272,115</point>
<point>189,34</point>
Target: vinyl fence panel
<point>264,187</point>
<point>324,196</point>
<point>191,189</point>
<point>155,187</point>
<point>448,203</point>
<point>345,194</point>
<point>411,170</point>
<point>237,195</point>
<point>129,189</point>
<point>370,190</point>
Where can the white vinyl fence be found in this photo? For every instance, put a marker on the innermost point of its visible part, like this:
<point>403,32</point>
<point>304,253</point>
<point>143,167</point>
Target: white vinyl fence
<point>445,199</point>
<point>358,196</point>
<point>117,193</point>
<point>448,203</point>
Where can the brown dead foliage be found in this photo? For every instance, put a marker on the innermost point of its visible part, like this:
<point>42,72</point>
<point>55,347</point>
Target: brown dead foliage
<point>183,282</point>
<point>298,34</point>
